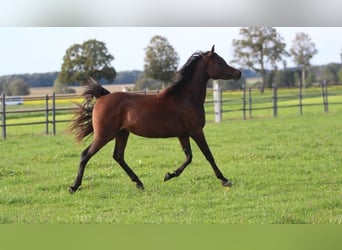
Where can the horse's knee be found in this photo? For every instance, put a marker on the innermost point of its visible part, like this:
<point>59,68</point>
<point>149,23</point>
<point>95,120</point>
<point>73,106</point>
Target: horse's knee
<point>189,159</point>
<point>118,158</point>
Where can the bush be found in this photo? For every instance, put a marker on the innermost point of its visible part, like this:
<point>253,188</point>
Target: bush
<point>146,82</point>
<point>60,88</point>
<point>16,87</point>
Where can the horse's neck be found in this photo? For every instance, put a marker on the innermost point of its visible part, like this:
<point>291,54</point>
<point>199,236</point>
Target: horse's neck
<point>195,89</point>
<point>198,85</point>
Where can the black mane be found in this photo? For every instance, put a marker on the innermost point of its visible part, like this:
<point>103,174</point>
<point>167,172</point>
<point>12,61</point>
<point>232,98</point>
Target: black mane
<point>185,74</point>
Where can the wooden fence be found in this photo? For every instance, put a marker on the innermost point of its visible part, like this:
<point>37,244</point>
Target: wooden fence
<point>246,102</point>
<point>249,102</point>
<point>49,109</point>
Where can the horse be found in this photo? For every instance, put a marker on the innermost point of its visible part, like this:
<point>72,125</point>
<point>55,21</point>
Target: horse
<point>177,111</point>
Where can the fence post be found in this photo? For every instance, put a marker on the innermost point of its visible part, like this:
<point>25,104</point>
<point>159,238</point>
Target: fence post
<point>244,101</point>
<point>217,102</point>
<point>275,101</point>
<point>326,107</point>
<point>250,101</point>
<point>53,113</point>
<point>325,96</point>
<point>300,95</point>
<point>47,114</point>
<point>3,116</point>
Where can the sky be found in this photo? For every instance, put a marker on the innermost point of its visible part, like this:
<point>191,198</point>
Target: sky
<point>41,49</point>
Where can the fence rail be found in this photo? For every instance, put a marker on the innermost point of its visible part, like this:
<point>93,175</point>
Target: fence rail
<point>247,103</point>
<point>49,110</point>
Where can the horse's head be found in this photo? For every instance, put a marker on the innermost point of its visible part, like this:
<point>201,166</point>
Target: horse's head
<point>217,68</point>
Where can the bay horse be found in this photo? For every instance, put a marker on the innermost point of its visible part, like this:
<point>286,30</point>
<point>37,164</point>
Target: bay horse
<point>177,111</point>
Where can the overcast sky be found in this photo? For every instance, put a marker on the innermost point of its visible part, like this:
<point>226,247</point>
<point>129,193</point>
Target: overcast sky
<point>39,50</point>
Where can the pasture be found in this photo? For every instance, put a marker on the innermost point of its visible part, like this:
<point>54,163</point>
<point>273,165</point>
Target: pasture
<point>284,170</point>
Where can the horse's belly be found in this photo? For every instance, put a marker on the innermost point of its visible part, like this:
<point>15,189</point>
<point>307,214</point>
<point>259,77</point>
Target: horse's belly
<point>155,127</point>
<point>158,133</point>
<point>158,130</point>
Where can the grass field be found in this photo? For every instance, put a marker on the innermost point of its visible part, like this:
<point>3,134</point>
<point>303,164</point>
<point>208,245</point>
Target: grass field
<point>284,170</point>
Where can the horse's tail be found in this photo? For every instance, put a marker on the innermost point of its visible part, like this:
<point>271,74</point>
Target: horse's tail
<point>82,124</point>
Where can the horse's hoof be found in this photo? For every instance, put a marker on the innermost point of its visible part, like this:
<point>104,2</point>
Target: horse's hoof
<point>140,186</point>
<point>227,183</point>
<point>72,190</point>
<point>167,177</point>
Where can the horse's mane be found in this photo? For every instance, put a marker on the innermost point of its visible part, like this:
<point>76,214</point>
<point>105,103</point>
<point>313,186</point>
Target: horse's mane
<point>185,74</point>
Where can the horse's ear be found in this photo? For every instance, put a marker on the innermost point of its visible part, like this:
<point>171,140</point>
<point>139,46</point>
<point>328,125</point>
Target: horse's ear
<point>212,51</point>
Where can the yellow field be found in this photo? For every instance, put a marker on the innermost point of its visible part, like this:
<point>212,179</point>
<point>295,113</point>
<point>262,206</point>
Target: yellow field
<point>60,102</point>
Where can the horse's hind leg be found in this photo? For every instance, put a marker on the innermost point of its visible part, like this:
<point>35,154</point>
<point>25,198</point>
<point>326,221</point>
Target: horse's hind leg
<point>185,142</point>
<point>118,155</point>
<point>95,146</point>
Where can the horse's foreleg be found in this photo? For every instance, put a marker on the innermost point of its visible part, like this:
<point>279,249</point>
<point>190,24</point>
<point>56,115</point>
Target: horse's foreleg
<point>95,146</point>
<point>199,138</point>
<point>118,155</point>
<point>185,142</point>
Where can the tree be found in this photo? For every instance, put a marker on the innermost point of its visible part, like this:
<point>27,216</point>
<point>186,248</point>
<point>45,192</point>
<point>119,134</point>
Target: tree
<point>19,87</point>
<point>302,50</point>
<point>330,73</point>
<point>60,88</point>
<point>144,82</point>
<point>340,76</point>
<point>280,78</point>
<point>257,47</point>
<point>15,86</point>
<point>161,60</point>
<point>124,77</point>
<point>89,59</point>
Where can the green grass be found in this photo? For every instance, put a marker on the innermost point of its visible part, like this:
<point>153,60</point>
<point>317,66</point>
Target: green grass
<point>284,170</point>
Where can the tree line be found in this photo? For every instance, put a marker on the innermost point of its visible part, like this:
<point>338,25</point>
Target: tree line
<point>10,84</point>
<point>258,50</point>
